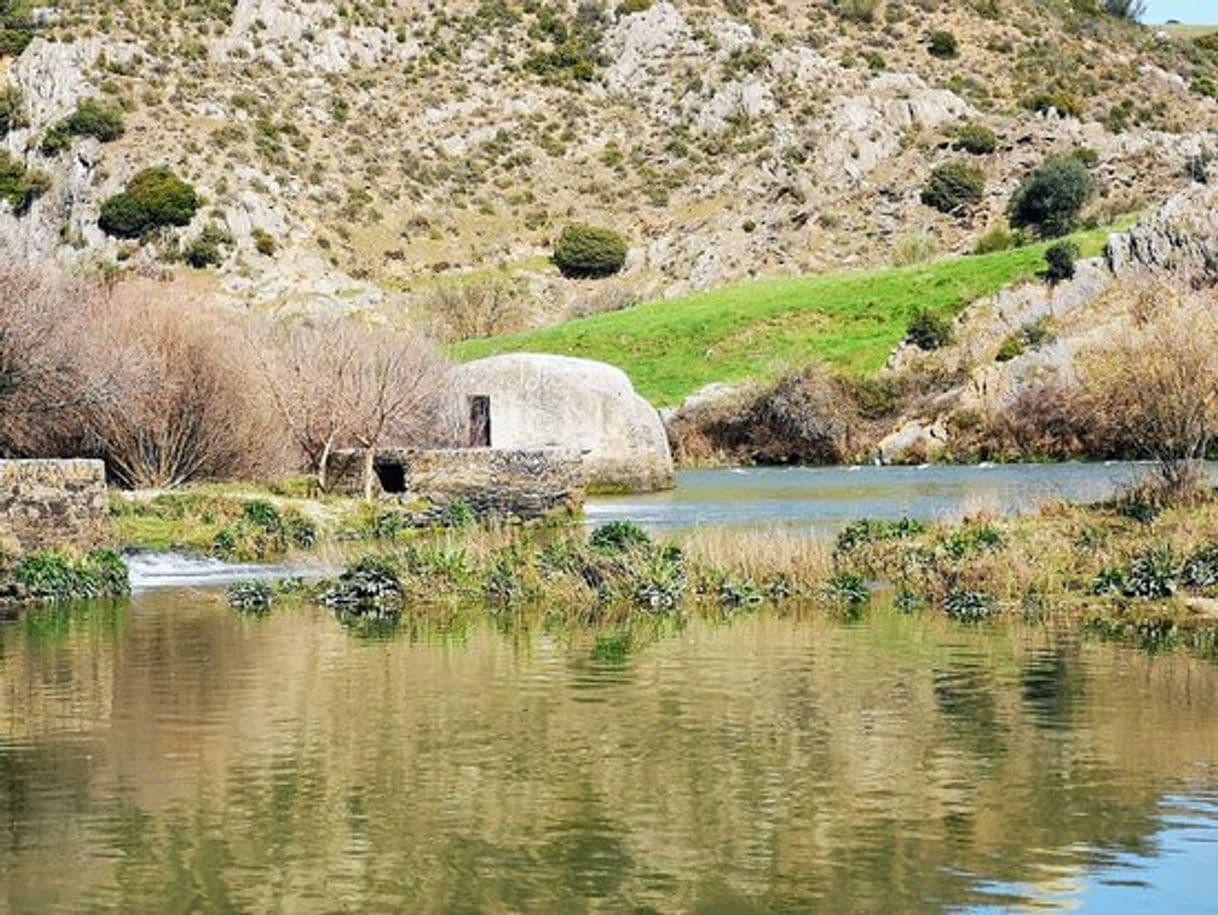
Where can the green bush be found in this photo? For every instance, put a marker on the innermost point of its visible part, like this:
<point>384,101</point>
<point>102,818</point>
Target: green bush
<point>153,198</point>
<point>943,44</point>
<point>1049,200</point>
<point>12,110</point>
<point>1060,258</point>
<point>618,536</point>
<point>1012,347</point>
<point>90,119</point>
<point>207,250</point>
<point>590,251</point>
<point>20,186</point>
<point>929,331</point>
<point>975,139</point>
<point>16,27</point>
<point>954,187</point>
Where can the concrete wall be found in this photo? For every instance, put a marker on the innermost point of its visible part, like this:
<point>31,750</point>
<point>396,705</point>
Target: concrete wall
<point>47,505</point>
<point>522,484</point>
<point>542,401</point>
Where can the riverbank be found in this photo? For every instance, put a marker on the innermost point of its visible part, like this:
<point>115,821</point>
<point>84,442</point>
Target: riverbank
<point>1122,570</point>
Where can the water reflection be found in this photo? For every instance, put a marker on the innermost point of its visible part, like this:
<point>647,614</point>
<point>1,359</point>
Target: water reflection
<point>184,759</point>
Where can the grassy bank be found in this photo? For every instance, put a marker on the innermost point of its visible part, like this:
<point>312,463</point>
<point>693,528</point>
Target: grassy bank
<point>1121,571</point>
<point>851,320</point>
<point>260,522</point>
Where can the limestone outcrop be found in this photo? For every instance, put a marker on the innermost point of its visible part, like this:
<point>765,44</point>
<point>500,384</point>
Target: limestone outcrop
<point>542,401</point>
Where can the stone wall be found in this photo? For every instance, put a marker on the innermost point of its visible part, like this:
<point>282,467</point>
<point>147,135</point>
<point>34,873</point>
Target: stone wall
<point>523,484</point>
<point>47,505</point>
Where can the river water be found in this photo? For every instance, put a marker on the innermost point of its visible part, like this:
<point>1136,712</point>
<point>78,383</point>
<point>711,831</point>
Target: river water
<point>823,499</point>
<point>164,754</point>
<point>168,755</point>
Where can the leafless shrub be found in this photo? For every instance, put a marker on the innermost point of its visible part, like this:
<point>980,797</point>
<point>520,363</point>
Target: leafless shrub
<point>347,382</point>
<point>39,360</point>
<point>171,393</point>
<point>160,387</point>
<point>477,308</point>
<point>1157,388</point>
<point>804,417</point>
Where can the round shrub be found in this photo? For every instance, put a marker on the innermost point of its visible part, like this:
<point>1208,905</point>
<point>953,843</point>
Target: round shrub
<point>929,331</point>
<point>90,119</point>
<point>954,187</point>
<point>943,44</point>
<point>153,198</point>
<point>996,239</point>
<point>1060,259</point>
<point>975,139</point>
<point>1049,200</point>
<point>590,252</point>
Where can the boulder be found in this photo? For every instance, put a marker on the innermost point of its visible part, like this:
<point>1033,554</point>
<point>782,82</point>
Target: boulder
<point>542,401</point>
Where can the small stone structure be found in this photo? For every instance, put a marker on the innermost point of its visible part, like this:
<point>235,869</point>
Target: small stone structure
<point>522,484</point>
<point>48,504</point>
<point>529,401</point>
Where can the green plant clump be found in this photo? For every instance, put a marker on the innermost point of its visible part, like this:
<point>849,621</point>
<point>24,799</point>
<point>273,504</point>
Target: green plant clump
<point>1059,260</point>
<point>619,536</point>
<point>250,596</point>
<point>590,252</point>
<point>90,119</point>
<point>954,187</point>
<point>55,576</point>
<point>152,199</point>
<point>1049,200</point>
<point>943,44</point>
<point>975,139</point>
<point>929,331</point>
<point>20,186</point>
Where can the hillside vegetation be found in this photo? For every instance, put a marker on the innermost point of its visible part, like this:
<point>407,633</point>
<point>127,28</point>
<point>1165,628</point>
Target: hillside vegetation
<point>850,320</point>
<point>399,153</point>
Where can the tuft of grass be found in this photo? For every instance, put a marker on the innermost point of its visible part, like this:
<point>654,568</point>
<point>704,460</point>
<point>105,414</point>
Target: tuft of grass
<point>850,320</point>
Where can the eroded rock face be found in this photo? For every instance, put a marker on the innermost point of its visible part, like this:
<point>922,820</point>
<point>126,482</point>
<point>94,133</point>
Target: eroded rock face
<point>541,401</point>
<point>1181,238</point>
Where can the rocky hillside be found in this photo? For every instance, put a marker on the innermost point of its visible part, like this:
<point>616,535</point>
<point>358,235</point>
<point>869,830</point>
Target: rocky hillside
<point>397,151</point>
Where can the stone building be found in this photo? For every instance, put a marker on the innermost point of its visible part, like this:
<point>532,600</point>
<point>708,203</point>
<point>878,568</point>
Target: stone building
<point>526,401</point>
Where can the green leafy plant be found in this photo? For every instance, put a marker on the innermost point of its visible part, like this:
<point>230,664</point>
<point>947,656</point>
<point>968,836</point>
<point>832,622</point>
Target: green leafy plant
<point>90,119</point>
<point>929,331</point>
<point>1060,261</point>
<point>954,187</point>
<point>975,139</point>
<point>584,251</point>
<point>152,199</point>
<point>20,186</point>
<point>943,44</point>
<point>1049,200</point>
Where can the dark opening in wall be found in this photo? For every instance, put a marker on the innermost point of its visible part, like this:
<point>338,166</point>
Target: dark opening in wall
<point>392,476</point>
<point>480,421</point>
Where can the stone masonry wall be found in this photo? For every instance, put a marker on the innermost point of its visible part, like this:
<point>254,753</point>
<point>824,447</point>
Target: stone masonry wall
<point>493,482</point>
<point>48,505</point>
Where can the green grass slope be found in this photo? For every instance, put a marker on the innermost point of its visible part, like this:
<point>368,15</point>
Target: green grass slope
<point>673,347</point>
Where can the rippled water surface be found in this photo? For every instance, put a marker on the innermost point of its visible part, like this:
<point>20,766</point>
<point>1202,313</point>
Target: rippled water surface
<point>823,499</point>
<point>167,755</point>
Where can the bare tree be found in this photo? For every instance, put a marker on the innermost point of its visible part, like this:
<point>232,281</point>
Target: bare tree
<point>339,382</point>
